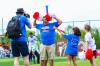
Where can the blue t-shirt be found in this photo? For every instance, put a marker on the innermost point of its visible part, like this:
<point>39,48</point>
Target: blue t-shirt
<point>47,32</point>
<point>23,21</point>
<point>72,44</point>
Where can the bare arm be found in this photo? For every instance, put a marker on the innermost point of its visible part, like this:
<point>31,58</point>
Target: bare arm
<point>87,44</point>
<point>34,24</point>
<point>30,26</point>
<point>56,28</point>
<point>60,21</point>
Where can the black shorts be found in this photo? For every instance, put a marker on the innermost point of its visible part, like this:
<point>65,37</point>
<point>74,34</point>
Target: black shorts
<point>19,48</point>
<point>95,53</point>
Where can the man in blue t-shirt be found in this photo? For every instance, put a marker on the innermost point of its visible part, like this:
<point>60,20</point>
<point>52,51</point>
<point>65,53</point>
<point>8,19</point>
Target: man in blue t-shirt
<point>47,31</point>
<point>19,45</point>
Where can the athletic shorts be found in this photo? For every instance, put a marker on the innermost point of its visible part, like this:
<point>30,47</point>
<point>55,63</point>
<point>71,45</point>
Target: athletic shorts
<point>47,52</point>
<point>19,48</point>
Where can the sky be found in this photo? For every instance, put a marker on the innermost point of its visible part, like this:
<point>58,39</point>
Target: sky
<point>66,10</point>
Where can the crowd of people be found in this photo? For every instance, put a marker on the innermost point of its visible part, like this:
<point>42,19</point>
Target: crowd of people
<point>47,48</point>
<point>5,52</point>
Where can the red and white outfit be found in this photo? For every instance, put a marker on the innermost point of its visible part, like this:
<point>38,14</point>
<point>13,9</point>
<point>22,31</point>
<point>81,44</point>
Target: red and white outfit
<point>88,38</point>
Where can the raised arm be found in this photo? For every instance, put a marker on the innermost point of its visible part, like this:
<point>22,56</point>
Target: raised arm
<point>34,24</point>
<point>30,26</point>
<point>60,21</point>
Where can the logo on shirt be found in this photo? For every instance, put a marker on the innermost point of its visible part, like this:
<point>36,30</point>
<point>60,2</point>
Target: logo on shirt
<point>45,29</point>
<point>74,42</point>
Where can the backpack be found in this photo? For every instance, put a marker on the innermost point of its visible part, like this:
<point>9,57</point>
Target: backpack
<point>13,28</point>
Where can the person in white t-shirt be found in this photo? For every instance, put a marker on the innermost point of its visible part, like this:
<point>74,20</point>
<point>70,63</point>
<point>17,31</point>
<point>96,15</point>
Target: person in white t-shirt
<point>31,41</point>
<point>33,48</point>
<point>90,42</point>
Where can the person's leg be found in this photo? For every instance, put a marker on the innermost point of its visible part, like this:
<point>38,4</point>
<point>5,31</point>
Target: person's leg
<point>43,55</point>
<point>46,58</point>
<point>30,56</point>
<point>74,60</point>
<point>34,58</point>
<point>15,52</point>
<point>26,61</point>
<point>60,50</point>
<point>94,57</point>
<point>51,62</point>
<point>42,63</point>
<point>16,61</point>
<point>51,54</point>
<point>45,62</point>
<point>69,60</point>
<point>38,56</point>
<point>92,61</point>
<point>25,53</point>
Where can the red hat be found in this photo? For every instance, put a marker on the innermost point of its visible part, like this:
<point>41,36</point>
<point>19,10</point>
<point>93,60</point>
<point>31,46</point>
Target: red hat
<point>36,15</point>
<point>48,18</point>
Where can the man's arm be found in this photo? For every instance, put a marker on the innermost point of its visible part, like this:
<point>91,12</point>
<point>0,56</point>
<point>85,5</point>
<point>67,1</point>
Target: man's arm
<point>59,21</point>
<point>34,24</point>
<point>56,28</point>
<point>27,22</point>
<point>30,26</point>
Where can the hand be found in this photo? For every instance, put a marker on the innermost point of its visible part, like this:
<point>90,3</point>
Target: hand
<point>53,16</point>
<point>36,15</point>
<point>40,19</point>
<point>55,27</point>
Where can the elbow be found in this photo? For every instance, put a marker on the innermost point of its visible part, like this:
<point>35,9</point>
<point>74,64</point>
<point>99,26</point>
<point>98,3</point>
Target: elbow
<point>34,25</point>
<point>60,22</point>
<point>30,26</point>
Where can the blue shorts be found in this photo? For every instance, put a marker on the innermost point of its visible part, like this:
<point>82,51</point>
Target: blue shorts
<point>71,52</point>
<point>19,48</point>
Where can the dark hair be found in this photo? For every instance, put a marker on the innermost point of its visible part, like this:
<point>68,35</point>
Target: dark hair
<point>77,31</point>
<point>87,27</point>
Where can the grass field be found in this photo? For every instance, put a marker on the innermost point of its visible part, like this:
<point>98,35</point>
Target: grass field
<point>59,61</point>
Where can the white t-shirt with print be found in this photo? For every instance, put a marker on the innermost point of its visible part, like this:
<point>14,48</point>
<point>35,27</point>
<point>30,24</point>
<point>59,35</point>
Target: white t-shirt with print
<point>31,42</point>
<point>88,37</point>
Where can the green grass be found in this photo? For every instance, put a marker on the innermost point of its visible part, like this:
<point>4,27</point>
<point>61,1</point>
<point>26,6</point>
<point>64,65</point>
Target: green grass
<point>59,61</point>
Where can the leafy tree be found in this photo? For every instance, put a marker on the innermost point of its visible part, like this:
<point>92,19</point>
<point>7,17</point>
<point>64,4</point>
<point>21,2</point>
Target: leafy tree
<point>57,38</point>
<point>82,34</point>
<point>28,31</point>
<point>96,35</point>
<point>68,29</point>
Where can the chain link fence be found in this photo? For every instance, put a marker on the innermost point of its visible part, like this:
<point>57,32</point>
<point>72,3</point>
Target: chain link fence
<point>80,24</point>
